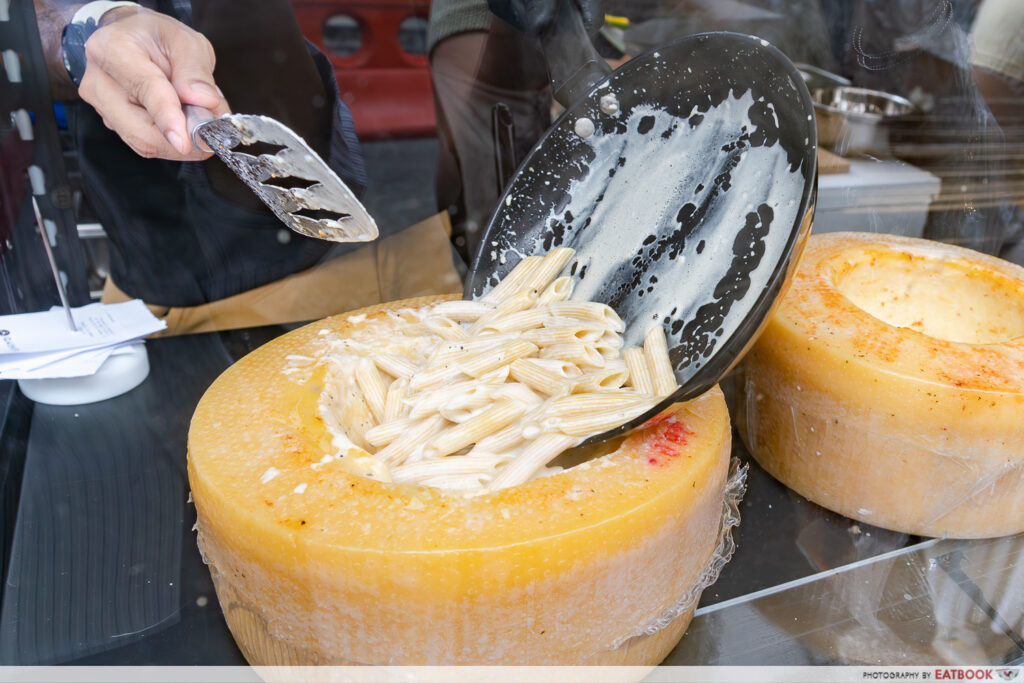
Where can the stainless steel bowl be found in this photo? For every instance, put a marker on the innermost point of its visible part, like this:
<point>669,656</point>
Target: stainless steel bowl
<point>816,77</point>
<point>856,120</point>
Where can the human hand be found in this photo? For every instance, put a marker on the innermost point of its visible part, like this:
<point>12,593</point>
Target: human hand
<point>533,16</point>
<point>141,67</point>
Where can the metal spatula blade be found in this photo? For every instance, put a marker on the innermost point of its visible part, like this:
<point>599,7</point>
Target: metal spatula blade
<point>293,180</point>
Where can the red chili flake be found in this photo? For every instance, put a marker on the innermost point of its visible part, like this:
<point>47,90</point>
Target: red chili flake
<point>667,439</point>
<point>676,432</point>
<point>665,449</point>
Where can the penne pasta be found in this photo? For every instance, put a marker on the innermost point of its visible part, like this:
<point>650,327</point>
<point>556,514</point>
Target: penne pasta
<point>518,302</point>
<point>485,362</point>
<point>574,352</point>
<point>434,376</point>
<point>594,402</point>
<point>472,430</point>
<point>563,331</point>
<point>514,281</point>
<point>396,366</point>
<point>463,311</point>
<point>445,328</point>
<point>468,403</point>
<point>656,350</point>
<point>609,345</point>
<point>559,290</point>
<point>446,467</point>
<point>588,310</point>
<point>427,402</point>
<point>535,456</point>
<point>455,349</point>
<point>370,382</point>
<point>515,322</point>
<point>593,422</point>
<point>500,442</point>
<point>541,376</point>
<point>385,433</point>
<point>396,452</point>
<point>613,375</point>
<point>496,376</point>
<point>548,269</point>
<point>356,418</point>
<point>481,395</point>
<point>394,402</point>
<point>639,371</point>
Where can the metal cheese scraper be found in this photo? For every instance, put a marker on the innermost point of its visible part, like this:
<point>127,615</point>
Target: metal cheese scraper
<point>291,179</point>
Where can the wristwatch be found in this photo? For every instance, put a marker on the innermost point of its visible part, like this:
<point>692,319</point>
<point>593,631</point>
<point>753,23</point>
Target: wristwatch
<point>83,24</point>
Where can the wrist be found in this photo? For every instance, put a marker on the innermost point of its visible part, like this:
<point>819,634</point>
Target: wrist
<point>120,12</point>
<point>83,24</point>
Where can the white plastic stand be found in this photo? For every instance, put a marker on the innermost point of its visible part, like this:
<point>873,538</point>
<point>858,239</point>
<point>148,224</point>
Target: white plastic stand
<point>119,373</point>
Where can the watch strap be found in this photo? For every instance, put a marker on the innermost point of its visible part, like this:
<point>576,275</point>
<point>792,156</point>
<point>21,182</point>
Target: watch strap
<point>83,24</point>
<point>95,10</point>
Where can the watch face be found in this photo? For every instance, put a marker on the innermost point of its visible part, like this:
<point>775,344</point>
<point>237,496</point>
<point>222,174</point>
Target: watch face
<point>72,46</point>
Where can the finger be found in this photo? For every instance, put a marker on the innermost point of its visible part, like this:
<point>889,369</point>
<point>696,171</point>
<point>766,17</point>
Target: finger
<point>189,95</point>
<point>145,83</point>
<point>130,121</point>
<point>191,60</point>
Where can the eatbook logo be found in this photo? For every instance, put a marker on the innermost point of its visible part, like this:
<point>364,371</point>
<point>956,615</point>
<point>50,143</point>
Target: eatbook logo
<point>1008,674</point>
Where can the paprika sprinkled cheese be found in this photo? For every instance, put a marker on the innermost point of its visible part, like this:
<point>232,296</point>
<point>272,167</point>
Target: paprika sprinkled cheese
<point>889,386</point>
<point>321,564</point>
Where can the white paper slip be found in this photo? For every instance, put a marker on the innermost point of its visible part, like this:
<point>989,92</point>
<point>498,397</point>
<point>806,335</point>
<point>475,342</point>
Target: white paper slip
<point>77,364</point>
<point>98,325</point>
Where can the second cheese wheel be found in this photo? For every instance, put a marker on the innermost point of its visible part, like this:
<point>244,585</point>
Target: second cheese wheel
<point>889,386</point>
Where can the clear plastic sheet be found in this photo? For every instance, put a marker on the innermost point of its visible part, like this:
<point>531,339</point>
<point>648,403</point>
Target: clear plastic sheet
<point>261,641</point>
<point>735,487</point>
<point>938,602</point>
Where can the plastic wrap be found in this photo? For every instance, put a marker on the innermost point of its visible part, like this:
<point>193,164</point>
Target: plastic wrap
<point>734,490</point>
<point>350,570</point>
<point>889,386</point>
<point>951,602</point>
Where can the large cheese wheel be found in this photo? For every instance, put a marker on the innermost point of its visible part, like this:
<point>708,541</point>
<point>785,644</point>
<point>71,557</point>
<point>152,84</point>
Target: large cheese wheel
<point>319,565</point>
<point>889,386</point>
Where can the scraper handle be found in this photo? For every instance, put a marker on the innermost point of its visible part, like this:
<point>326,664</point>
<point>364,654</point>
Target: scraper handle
<point>195,117</point>
<point>573,64</point>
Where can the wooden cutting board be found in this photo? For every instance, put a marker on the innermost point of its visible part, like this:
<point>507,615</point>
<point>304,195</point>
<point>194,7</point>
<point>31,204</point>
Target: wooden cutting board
<point>831,163</point>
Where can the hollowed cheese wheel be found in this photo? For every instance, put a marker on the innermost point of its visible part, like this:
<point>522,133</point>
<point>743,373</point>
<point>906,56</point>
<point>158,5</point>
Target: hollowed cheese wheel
<point>564,569</point>
<point>889,386</point>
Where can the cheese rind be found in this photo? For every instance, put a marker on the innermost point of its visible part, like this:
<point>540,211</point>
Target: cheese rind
<point>356,571</point>
<point>889,386</point>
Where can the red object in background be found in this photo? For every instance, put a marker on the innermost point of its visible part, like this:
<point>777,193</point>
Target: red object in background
<point>15,157</point>
<point>386,87</point>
